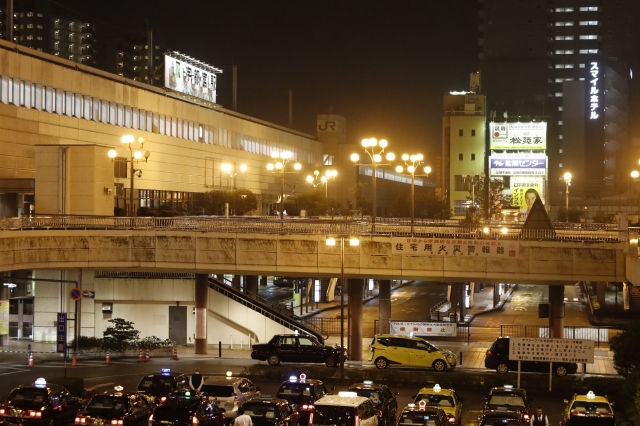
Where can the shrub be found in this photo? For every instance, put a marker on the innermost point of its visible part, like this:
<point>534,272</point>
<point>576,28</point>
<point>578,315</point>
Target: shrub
<point>154,342</point>
<point>85,342</point>
<point>120,336</point>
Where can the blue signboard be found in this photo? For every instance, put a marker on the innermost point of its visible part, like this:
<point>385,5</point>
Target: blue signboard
<point>518,163</point>
<point>61,342</point>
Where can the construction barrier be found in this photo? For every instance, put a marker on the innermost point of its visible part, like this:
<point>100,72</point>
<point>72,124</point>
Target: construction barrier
<point>74,361</point>
<point>146,357</point>
<point>175,353</point>
<point>30,359</point>
<point>140,357</point>
<point>108,358</point>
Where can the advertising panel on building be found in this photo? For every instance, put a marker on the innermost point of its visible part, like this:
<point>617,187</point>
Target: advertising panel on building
<point>518,164</point>
<point>522,192</point>
<point>530,135</point>
<point>190,76</point>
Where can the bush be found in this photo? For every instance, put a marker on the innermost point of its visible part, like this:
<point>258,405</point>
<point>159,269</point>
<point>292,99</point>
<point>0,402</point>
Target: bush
<point>120,336</point>
<point>86,342</point>
<point>154,342</point>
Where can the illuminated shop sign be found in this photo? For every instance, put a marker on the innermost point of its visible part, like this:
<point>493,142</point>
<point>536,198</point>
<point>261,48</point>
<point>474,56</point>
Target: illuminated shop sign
<point>190,76</point>
<point>525,164</point>
<point>518,135</point>
<point>594,91</point>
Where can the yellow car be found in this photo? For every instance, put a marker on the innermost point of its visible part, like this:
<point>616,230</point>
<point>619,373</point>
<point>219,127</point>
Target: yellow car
<point>446,399</point>
<point>589,410</point>
<point>393,349</point>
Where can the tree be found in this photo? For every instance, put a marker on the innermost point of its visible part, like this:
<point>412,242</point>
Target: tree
<point>316,203</point>
<point>240,202</point>
<point>626,350</point>
<point>120,336</point>
<point>427,205</point>
<point>601,217</point>
<point>497,200</point>
<point>574,215</point>
<point>363,197</point>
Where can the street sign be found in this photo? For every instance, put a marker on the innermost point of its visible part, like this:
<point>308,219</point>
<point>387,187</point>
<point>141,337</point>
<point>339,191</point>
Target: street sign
<point>75,294</point>
<point>61,341</point>
<point>89,294</point>
<point>551,350</point>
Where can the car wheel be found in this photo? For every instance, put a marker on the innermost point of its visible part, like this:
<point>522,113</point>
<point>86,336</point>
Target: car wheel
<point>273,359</point>
<point>439,365</point>
<point>502,368</point>
<point>561,371</point>
<point>382,363</point>
<point>330,362</point>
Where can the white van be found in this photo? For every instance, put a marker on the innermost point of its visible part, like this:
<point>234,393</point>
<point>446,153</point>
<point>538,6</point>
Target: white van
<point>344,409</point>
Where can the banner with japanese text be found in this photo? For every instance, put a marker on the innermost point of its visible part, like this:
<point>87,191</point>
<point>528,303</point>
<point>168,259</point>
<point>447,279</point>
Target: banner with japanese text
<point>405,328</point>
<point>454,247</point>
<point>4,317</point>
<point>553,350</point>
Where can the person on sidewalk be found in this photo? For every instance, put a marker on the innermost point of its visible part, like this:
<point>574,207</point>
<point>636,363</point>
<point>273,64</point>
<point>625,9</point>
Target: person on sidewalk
<point>539,419</point>
<point>242,419</point>
<point>195,381</point>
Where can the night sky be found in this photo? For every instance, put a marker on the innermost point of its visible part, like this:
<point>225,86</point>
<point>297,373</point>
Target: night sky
<point>384,65</point>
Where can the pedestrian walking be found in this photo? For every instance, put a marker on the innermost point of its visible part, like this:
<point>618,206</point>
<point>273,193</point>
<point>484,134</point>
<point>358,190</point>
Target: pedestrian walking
<point>195,381</point>
<point>539,419</point>
<point>242,419</point>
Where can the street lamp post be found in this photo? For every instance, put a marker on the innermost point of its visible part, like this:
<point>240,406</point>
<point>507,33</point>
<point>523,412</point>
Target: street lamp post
<point>324,180</point>
<point>567,181</point>
<point>353,241</point>
<point>278,166</point>
<point>229,171</point>
<point>369,146</point>
<point>412,162</point>
<point>135,156</point>
<point>474,180</point>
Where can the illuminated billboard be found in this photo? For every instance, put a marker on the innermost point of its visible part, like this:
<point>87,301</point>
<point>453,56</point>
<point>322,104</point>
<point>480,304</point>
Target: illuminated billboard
<point>530,135</point>
<point>524,192</point>
<point>190,76</point>
<point>518,164</point>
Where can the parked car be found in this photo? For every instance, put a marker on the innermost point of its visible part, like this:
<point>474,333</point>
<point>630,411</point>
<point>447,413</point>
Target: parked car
<point>186,408</point>
<point>123,408</point>
<point>159,385</point>
<point>588,410</point>
<point>38,404</point>
<point>509,399</point>
<point>497,357</point>
<point>382,399</point>
<point>501,418</point>
<point>414,414</point>
<point>230,392</point>
<point>393,349</point>
<point>270,412</point>
<point>295,348</point>
<point>302,393</point>
<point>446,399</point>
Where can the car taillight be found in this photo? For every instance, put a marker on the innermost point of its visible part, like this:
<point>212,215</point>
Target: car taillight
<point>306,407</point>
<point>35,413</point>
<point>150,420</point>
<point>80,420</point>
<point>452,419</point>
<point>525,416</point>
<point>370,348</point>
<point>116,422</point>
<point>606,415</point>
<point>489,353</point>
<point>163,399</point>
<point>578,413</point>
<point>2,411</point>
<point>195,421</point>
<point>357,420</point>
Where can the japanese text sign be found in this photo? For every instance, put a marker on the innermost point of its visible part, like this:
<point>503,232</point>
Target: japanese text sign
<point>186,78</point>
<point>551,350</point>
<point>61,333</point>
<point>454,247</point>
<point>423,328</point>
<point>531,135</point>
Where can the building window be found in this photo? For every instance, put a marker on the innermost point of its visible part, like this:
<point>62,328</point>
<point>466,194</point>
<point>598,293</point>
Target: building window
<point>460,132</point>
<point>586,23</point>
<point>560,123</point>
<point>560,108</point>
<point>473,157</point>
<point>460,157</point>
<point>327,160</point>
<point>120,167</point>
<point>559,136</point>
<point>560,151</point>
<point>473,132</point>
<point>588,51</point>
<point>560,165</point>
<point>459,184</point>
<point>558,94</point>
<point>588,37</point>
<point>564,65</point>
<point>564,9</point>
<point>589,9</point>
<point>564,24</point>
<point>564,52</point>
<point>29,25</point>
<point>569,37</point>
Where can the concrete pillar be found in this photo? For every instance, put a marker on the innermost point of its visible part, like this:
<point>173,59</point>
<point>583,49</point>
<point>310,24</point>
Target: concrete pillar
<point>263,280</point>
<point>626,289</point>
<point>556,311</point>
<point>251,284</point>
<point>496,294</point>
<point>355,319</point>
<point>601,289</point>
<point>463,294</point>
<point>384,306</point>
<point>202,295</point>
<point>235,282</point>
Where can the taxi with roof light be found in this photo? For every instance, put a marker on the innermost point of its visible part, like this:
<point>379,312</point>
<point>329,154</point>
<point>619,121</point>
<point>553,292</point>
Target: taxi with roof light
<point>589,410</point>
<point>382,398</point>
<point>508,398</point>
<point>187,408</point>
<point>302,393</point>
<point>158,386</point>
<point>41,403</point>
<point>446,399</point>
<point>344,409</point>
<point>115,409</point>
<point>229,391</point>
<point>421,415</point>
<point>271,412</point>
<point>409,351</point>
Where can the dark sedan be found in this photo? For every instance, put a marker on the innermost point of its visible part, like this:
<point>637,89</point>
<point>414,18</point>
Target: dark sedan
<point>382,398</point>
<point>295,348</point>
<point>118,408</point>
<point>185,409</point>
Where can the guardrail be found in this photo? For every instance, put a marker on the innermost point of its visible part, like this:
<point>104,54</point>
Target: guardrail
<point>597,334</point>
<point>398,228</point>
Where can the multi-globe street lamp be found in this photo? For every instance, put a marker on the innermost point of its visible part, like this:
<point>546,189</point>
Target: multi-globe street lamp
<point>567,181</point>
<point>413,162</point>
<point>136,156</point>
<point>474,180</point>
<point>331,241</point>
<point>317,180</point>
<point>228,170</point>
<point>280,161</point>
<point>371,148</point>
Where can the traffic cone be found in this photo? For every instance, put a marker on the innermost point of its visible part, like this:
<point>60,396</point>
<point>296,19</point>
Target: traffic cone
<point>30,359</point>
<point>108,358</point>
<point>175,353</point>
<point>146,357</point>
<point>140,357</point>
<point>74,361</point>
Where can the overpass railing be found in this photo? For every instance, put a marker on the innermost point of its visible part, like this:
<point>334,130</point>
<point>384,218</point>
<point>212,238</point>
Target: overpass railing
<point>389,227</point>
<point>597,334</point>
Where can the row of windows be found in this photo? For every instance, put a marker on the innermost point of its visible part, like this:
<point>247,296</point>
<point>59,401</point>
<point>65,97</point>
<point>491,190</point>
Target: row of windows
<point>572,23</point>
<point>568,66</point>
<point>581,9</point>
<point>581,37</point>
<point>572,52</point>
<point>461,157</point>
<point>45,98</point>
<point>393,176</point>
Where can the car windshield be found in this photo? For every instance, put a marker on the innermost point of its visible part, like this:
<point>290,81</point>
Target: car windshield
<point>493,421</point>
<point>259,411</point>
<point>588,407</point>
<point>100,404</point>
<point>295,392</point>
<point>435,400</point>
<point>331,415</point>
<point>372,394</point>
<point>27,395</point>
<point>219,391</point>
<point>418,418</point>
<point>506,400</point>
<point>157,385</point>
<point>431,345</point>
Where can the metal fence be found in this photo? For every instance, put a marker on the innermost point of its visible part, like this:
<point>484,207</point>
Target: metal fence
<point>331,326</point>
<point>600,335</point>
<point>390,227</point>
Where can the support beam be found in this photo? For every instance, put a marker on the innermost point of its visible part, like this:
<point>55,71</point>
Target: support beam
<point>601,289</point>
<point>251,284</point>
<point>556,311</point>
<point>384,306</point>
<point>235,282</point>
<point>201,293</point>
<point>355,319</point>
<point>496,294</point>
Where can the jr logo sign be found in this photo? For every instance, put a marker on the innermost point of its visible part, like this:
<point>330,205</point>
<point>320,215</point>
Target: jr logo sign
<point>328,125</point>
